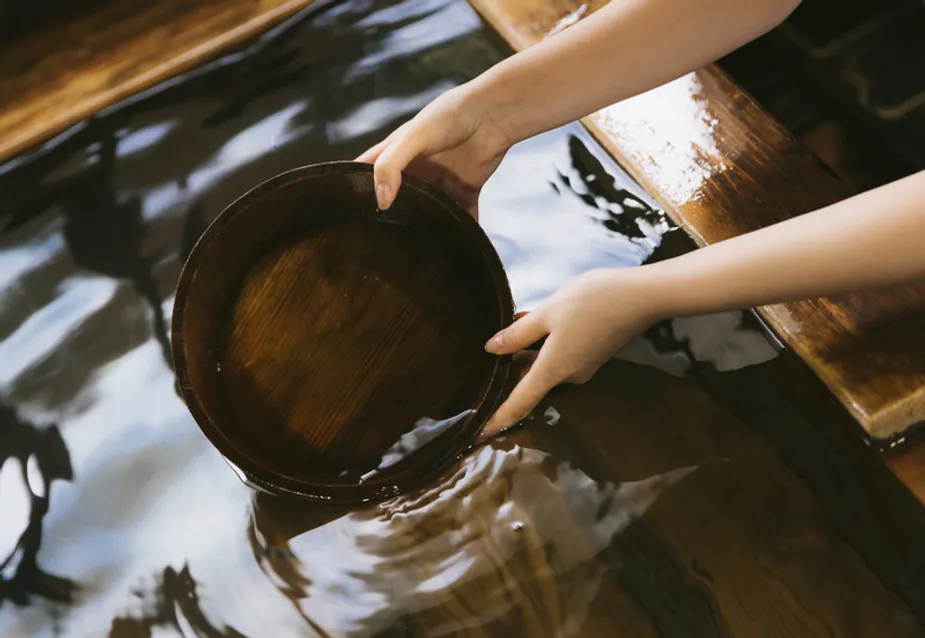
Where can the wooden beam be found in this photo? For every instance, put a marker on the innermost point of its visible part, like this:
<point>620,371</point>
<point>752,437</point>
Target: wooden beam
<point>64,73</point>
<point>908,464</point>
<point>721,166</point>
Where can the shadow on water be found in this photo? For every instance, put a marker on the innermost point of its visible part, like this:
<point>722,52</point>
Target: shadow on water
<point>42,458</point>
<point>621,211</point>
<point>636,505</point>
<point>104,235</point>
<point>172,606</point>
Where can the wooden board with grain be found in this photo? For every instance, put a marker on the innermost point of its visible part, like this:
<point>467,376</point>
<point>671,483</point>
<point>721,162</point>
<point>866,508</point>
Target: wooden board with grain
<point>121,48</point>
<point>721,166</point>
<point>908,464</point>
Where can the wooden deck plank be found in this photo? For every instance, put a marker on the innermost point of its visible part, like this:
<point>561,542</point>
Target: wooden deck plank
<point>124,47</point>
<point>908,464</point>
<point>721,167</point>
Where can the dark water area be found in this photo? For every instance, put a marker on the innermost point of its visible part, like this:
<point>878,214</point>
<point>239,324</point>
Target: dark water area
<point>656,500</point>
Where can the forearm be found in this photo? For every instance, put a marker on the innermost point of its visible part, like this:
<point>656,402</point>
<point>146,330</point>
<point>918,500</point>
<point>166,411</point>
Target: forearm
<point>625,48</point>
<point>871,240</point>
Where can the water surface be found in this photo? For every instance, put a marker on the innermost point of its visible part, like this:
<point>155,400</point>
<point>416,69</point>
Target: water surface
<point>638,506</point>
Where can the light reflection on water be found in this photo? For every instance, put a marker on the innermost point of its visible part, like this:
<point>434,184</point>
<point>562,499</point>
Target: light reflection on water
<point>151,534</point>
<point>544,231</point>
<point>501,511</point>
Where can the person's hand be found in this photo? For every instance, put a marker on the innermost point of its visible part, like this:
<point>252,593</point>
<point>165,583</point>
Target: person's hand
<point>452,143</point>
<point>585,323</point>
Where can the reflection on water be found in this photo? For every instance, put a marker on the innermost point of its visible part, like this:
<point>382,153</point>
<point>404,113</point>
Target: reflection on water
<point>424,430</point>
<point>116,516</point>
<point>558,207</point>
<point>510,534</point>
<point>31,459</point>
<point>171,607</point>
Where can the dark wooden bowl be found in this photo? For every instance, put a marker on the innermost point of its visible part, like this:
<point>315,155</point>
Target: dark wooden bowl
<point>312,332</point>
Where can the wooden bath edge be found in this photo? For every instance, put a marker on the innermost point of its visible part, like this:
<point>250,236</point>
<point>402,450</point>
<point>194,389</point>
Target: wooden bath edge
<point>124,49</point>
<point>721,166</point>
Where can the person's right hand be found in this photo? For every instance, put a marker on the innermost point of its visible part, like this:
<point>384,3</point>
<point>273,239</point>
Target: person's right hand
<point>452,143</point>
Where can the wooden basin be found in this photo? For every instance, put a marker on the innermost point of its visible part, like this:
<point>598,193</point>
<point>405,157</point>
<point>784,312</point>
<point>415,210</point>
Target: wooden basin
<point>334,351</point>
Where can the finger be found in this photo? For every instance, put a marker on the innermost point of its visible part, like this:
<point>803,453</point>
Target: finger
<point>392,161</point>
<point>370,155</point>
<point>526,395</point>
<point>521,363</point>
<point>535,346</point>
<point>525,331</point>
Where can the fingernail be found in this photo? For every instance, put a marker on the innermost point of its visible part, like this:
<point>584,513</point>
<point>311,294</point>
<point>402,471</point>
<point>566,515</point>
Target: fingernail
<point>383,196</point>
<point>491,429</point>
<point>494,344</point>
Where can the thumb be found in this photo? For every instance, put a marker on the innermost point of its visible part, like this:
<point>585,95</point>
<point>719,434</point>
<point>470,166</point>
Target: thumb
<point>393,159</point>
<point>522,333</point>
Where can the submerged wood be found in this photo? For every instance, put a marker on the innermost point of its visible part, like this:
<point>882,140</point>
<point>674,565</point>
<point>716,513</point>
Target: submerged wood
<point>631,516</point>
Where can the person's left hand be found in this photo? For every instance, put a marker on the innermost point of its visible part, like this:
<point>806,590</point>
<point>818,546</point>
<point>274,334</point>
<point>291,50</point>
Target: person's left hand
<point>585,323</point>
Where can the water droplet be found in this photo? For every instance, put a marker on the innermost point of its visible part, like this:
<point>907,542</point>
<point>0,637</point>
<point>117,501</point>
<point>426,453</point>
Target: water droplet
<point>517,526</point>
<point>551,416</point>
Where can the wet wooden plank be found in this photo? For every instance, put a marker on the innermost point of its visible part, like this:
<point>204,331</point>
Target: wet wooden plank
<point>859,495</point>
<point>125,47</point>
<point>741,543</point>
<point>908,464</point>
<point>721,167</point>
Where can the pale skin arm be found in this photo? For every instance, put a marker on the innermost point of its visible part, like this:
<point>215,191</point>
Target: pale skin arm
<point>872,240</point>
<point>623,49</point>
<point>868,241</point>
